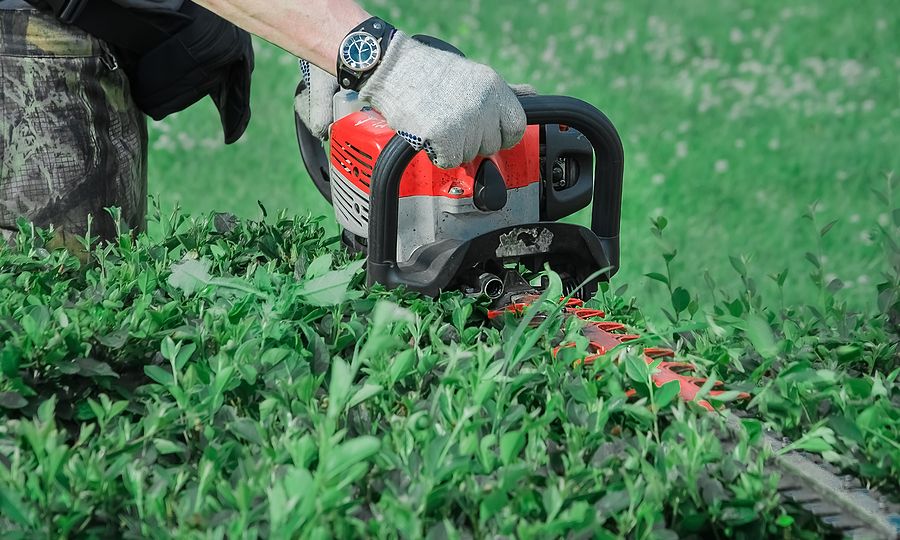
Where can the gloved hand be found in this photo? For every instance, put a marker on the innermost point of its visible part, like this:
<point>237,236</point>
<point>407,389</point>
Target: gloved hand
<point>451,107</point>
<point>314,102</point>
<point>468,110</point>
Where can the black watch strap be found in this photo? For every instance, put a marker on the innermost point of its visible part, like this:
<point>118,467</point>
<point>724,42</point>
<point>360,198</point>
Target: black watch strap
<point>382,32</point>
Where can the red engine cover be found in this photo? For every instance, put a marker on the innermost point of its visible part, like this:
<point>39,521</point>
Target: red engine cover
<point>358,138</point>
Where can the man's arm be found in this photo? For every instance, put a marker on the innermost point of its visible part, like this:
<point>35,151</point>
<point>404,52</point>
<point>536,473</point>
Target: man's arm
<point>310,29</point>
<point>451,107</point>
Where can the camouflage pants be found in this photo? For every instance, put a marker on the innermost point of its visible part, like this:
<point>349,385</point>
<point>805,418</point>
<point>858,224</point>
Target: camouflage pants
<point>72,142</point>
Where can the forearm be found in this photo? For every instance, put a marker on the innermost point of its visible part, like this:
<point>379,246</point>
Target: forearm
<point>309,29</point>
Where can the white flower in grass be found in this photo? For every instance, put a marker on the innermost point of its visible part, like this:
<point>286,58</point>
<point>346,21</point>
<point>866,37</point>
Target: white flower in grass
<point>187,142</point>
<point>774,144</point>
<point>657,179</point>
<point>854,218</point>
<point>868,105</point>
<point>721,166</point>
<point>841,176</point>
<point>739,143</point>
<point>865,238</point>
<point>164,143</point>
<point>884,220</point>
<point>681,149</point>
<point>881,25</point>
<point>736,36</point>
<point>851,70</point>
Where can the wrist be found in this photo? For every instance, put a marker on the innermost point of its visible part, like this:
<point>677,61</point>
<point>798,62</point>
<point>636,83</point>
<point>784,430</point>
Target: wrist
<point>361,52</point>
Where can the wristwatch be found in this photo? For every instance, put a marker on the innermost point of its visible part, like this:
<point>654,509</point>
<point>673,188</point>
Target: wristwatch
<point>362,51</point>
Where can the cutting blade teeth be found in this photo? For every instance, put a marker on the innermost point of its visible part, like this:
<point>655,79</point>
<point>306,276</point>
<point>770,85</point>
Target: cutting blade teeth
<point>842,523</point>
<point>802,496</point>
<point>823,509</point>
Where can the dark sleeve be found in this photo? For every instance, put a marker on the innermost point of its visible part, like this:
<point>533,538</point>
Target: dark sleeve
<point>163,5</point>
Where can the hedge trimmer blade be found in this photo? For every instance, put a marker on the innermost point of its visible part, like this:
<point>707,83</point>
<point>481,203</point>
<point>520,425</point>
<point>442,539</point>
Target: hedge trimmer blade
<point>604,336</point>
<point>806,480</point>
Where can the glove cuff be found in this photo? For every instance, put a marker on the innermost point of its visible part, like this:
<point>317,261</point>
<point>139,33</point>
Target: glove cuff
<point>381,83</point>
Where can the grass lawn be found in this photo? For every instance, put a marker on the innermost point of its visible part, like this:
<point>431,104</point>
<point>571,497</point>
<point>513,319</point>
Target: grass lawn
<point>736,118</point>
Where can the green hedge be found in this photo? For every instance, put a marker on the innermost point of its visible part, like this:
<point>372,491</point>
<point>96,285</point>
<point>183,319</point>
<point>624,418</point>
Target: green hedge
<point>227,378</point>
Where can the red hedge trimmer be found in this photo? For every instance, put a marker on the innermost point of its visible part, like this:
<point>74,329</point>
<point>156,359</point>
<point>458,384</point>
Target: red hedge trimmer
<point>491,226</point>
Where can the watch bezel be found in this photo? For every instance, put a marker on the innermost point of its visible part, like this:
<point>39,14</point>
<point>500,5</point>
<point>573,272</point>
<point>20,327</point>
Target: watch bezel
<point>376,51</point>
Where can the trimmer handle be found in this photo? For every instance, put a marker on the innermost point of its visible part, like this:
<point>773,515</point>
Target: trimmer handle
<point>606,210</point>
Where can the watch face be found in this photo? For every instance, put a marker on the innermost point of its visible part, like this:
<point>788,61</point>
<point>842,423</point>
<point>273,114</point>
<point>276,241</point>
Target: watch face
<point>360,51</point>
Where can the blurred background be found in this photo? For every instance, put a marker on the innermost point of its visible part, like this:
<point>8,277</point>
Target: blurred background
<point>738,118</point>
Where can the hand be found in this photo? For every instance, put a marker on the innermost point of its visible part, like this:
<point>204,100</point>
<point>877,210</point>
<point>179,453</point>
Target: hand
<point>451,107</point>
<point>314,103</point>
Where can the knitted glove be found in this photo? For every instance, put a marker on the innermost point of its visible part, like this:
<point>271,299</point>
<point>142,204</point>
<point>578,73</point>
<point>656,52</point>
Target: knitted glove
<point>314,103</point>
<point>451,107</point>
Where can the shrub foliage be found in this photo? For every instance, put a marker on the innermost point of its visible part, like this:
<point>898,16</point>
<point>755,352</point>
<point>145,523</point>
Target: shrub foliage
<point>233,378</point>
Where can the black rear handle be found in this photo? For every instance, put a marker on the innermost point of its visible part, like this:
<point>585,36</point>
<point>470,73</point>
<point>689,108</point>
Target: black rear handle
<point>606,211</point>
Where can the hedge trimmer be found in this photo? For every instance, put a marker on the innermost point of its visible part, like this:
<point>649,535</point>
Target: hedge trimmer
<point>490,227</point>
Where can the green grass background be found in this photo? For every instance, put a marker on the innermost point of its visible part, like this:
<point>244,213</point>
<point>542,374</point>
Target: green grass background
<point>736,116</point>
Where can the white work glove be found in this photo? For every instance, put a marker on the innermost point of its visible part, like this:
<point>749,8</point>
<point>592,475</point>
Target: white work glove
<point>451,107</point>
<point>314,103</point>
<point>454,110</point>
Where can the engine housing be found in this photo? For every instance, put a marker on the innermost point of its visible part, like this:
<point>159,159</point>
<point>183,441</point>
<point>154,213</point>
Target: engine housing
<point>435,204</point>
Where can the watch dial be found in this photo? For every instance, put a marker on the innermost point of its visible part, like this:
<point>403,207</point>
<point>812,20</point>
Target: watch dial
<point>360,51</point>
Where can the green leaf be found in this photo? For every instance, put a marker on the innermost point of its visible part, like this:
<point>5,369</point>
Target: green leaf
<point>738,264</point>
<point>88,367</point>
<point>12,507</point>
<point>190,275</point>
<point>784,520</point>
<point>330,288</point>
<point>168,349</point>
<point>658,277</point>
<point>350,453</point>
<point>680,299</point>
<point>246,429</point>
<point>511,444</point>
<point>12,400</point>
<point>339,388</point>
<point>780,277</point>
<point>819,439</point>
<point>813,259</point>
<point>664,395</point>
<point>846,429</point>
<point>727,396</point>
<point>166,447</point>
<point>402,364</point>
<point>319,267</point>
<point>707,386</point>
<point>159,375</point>
<point>636,368</point>
<point>184,354</point>
<point>827,228</point>
<point>366,392</point>
<point>760,335</point>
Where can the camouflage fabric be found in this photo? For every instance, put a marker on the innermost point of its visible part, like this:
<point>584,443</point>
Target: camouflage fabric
<point>72,142</point>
